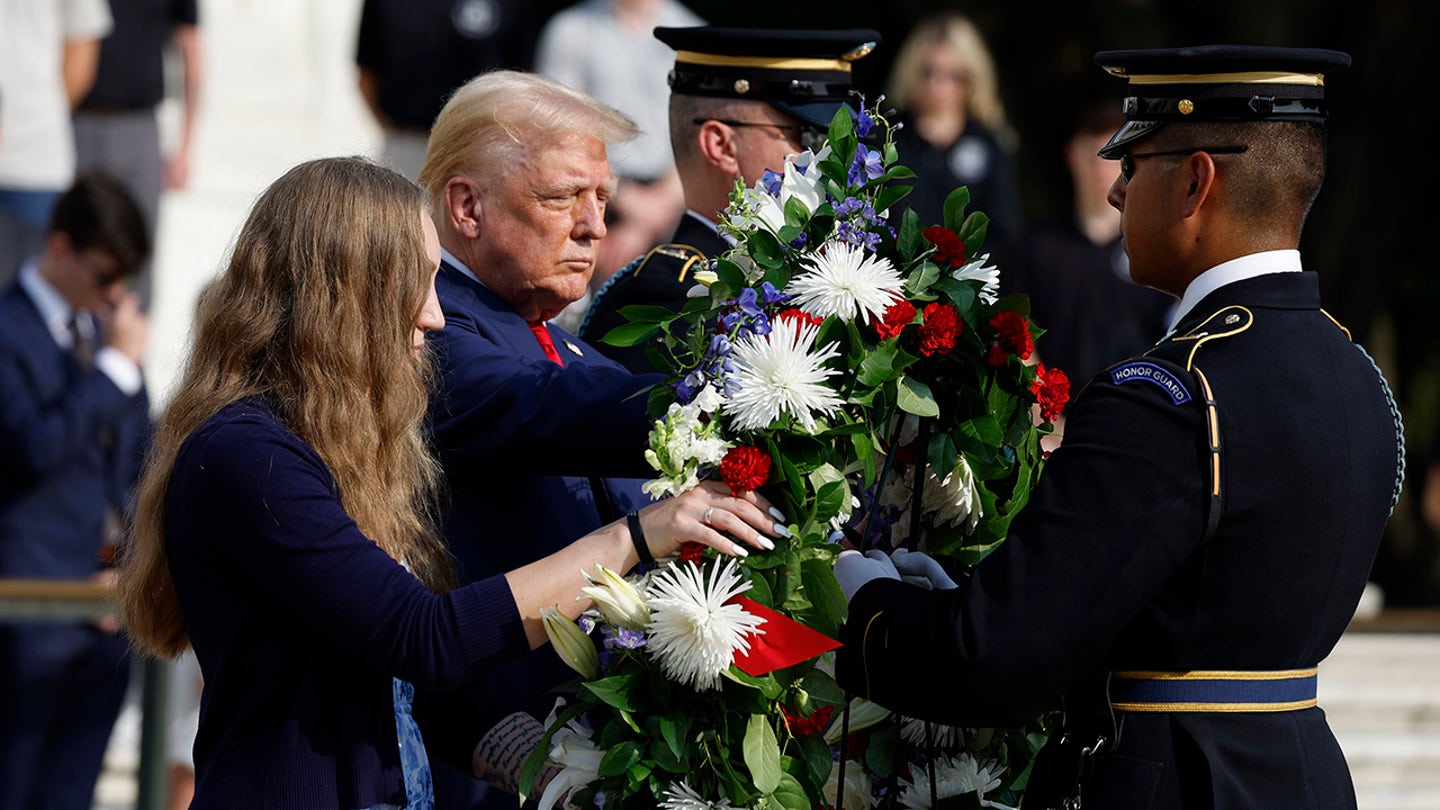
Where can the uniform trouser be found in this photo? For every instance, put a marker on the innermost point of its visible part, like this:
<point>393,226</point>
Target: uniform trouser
<point>126,145</point>
<point>61,688</point>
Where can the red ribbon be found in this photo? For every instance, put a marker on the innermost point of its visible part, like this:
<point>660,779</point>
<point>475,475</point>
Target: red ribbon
<point>785,641</point>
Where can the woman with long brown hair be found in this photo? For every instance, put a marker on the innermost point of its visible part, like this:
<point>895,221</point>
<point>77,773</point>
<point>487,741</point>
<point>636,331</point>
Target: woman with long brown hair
<point>284,519</point>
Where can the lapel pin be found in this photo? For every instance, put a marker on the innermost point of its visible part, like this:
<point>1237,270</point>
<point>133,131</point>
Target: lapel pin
<point>576,349</point>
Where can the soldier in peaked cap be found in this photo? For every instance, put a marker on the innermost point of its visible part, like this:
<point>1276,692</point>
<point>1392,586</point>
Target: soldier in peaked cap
<point>1201,539</point>
<point>742,99</point>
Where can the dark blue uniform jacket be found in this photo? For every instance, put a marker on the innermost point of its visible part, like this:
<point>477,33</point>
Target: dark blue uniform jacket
<point>1110,566</point>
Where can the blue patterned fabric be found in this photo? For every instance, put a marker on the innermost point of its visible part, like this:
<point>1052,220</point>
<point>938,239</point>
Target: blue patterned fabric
<point>419,792</point>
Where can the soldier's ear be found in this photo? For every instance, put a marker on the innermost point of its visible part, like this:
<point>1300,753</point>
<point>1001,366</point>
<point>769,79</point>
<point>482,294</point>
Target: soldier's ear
<point>463,206</point>
<point>717,144</point>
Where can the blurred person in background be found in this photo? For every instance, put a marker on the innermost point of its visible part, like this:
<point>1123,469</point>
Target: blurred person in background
<point>955,133</point>
<point>412,54</point>
<point>48,54</point>
<point>741,101</point>
<point>116,125</point>
<point>284,522</point>
<point>607,49</point>
<point>74,424</point>
<point>1075,269</point>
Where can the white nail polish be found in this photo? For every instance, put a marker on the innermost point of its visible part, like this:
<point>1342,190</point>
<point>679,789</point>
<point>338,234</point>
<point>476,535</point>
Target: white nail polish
<point>766,543</point>
<point>778,515</point>
<point>782,530</point>
<point>741,552</point>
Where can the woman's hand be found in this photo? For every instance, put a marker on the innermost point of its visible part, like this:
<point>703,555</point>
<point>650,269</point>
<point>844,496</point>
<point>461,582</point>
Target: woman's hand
<point>707,514</point>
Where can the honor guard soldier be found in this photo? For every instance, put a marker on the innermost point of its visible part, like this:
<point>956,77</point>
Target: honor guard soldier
<point>741,99</point>
<point>1200,541</point>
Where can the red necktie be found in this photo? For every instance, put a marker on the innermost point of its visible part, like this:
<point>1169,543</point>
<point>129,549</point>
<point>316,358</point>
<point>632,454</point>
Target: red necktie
<point>543,336</point>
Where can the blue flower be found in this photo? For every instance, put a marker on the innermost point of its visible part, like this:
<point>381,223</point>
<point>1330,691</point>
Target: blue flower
<point>867,166</point>
<point>771,181</point>
<point>771,296</point>
<point>625,639</point>
<point>587,624</point>
<point>864,122</point>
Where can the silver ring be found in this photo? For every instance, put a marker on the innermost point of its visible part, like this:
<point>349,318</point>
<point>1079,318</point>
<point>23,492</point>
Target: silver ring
<point>708,512</point>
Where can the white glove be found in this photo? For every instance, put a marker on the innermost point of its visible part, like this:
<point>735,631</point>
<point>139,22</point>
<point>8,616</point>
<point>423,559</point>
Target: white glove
<point>918,568</point>
<point>853,570</point>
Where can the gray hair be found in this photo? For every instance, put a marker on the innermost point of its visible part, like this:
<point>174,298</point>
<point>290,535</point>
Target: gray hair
<point>488,122</point>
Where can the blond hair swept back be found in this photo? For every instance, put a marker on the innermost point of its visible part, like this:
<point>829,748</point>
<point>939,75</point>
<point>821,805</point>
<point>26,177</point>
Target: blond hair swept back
<point>957,33</point>
<point>314,312</point>
<point>487,124</point>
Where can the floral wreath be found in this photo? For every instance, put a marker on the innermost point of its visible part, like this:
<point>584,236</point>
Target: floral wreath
<point>865,373</point>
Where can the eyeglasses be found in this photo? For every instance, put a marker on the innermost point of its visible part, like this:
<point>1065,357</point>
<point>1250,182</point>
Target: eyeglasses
<point>809,137</point>
<point>1127,160</point>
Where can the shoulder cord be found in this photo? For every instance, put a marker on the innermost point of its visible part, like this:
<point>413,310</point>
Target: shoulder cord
<point>1399,428</point>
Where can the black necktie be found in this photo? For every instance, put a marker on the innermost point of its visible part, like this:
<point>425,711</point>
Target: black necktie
<point>82,345</point>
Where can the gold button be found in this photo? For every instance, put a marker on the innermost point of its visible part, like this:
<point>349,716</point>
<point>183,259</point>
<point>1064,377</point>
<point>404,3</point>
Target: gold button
<point>1186,106</point>
<point>742,86</point>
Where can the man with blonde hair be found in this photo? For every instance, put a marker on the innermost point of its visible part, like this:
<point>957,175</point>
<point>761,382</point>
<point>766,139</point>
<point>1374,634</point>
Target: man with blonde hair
<point>526,417</point>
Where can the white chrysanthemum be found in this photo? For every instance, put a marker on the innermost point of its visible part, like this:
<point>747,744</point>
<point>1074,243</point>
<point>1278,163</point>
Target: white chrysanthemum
<point>987,276</point>
<point>680,796</point>
<point>858,792</point>
<point>693,633</point>
<point>956,498</point>
<point>777,373</point>
<point>941,736</point>
<point>954,776</point>
<point>846,281</point>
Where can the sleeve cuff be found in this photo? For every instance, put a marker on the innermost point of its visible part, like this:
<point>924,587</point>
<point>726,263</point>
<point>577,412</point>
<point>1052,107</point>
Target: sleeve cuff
<point>120,369</point>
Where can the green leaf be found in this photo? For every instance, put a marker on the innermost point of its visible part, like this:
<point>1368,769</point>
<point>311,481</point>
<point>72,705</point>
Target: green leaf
<point>730,274</point>
<point>972,233</point>
<point>923,277</point>
<point>830,499</point>
<point>630,334</point>
<point>620,691</point>
<point>818,577</point>
<point>841,126</point>
<point>955,205</point>
<point>890,195</point>
<point>675,731</point>
<point>796,214</point>
<point>942,454</point>
<point>816,756</point>
<point>897,172</point>
<point>619,759</point>
<point>765,249</point>
<point>790,795</point>
<point>762,753</point>
<point>766,684</point>
<point>641,313</point>
<point>910,243</point>
<point>915,397</point>
<point>865,451</point>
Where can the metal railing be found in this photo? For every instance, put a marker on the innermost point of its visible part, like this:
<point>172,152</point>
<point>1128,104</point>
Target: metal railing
<point>79,601</point>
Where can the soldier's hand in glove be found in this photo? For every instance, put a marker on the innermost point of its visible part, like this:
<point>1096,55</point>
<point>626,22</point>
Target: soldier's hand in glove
<point>918,568</point>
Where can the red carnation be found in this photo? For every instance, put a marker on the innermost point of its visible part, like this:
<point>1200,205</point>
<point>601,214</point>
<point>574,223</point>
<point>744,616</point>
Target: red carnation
<point>692,552</point>
<point>1052,390</point>
<point>939,329</point>
<point>900,314</point>
<point>814,724</point>
<point>948,247</point>
<point>744,468</point>
<point>800,316</point>
<point>1014,337</point>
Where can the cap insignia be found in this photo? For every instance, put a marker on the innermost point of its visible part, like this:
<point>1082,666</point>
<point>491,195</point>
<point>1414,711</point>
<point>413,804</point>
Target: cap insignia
<point>858,53</point>
<point>1186,106</point>
<point>742,86</point>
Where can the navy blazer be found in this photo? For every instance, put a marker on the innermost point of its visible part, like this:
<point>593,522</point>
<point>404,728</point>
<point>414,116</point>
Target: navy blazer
<point>71,444</point>
<point>520,438</point>
<point>1113,564</point>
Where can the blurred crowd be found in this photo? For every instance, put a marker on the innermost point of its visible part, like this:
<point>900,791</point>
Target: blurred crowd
<point>82,171</point>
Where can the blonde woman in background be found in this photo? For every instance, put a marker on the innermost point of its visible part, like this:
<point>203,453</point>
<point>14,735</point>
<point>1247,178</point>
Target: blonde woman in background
<point>955,134</point>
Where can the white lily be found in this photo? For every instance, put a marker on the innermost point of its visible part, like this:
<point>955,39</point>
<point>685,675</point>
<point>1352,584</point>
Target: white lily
<point>617,598</point>
<point>579,760</point>
<point>571,644</point>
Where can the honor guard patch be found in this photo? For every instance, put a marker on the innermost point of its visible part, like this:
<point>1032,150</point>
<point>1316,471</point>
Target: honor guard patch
<point>1153,374</point>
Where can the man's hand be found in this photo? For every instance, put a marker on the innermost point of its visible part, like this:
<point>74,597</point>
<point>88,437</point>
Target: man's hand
<point>852,570</point>
<point>127,328</point>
